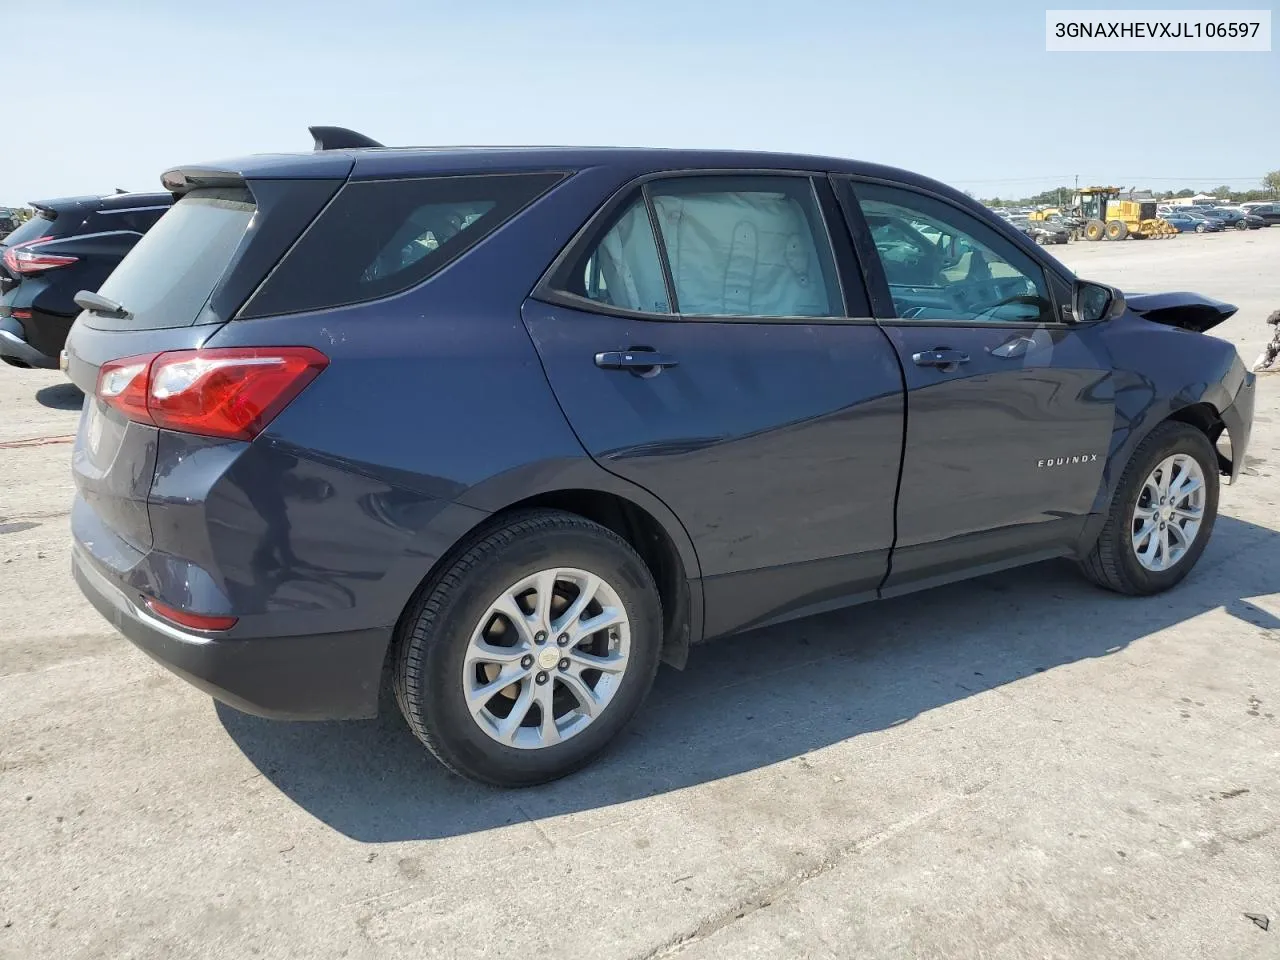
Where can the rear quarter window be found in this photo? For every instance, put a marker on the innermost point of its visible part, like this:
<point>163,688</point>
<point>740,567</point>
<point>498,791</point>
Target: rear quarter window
<point>381,237</point>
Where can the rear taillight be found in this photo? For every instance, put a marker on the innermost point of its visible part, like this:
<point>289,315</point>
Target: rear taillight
<point>27,258</point>
<point>231,392</point>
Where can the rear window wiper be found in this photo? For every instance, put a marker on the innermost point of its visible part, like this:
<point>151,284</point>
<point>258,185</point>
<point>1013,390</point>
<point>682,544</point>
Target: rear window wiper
<point>97,303</point>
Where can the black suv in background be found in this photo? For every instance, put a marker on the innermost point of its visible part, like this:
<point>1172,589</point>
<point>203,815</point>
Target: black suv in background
<point>71,244</point>
<point>1269,213</point>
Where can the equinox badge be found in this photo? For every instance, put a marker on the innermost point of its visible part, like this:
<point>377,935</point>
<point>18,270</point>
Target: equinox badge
<point>1066,461</point>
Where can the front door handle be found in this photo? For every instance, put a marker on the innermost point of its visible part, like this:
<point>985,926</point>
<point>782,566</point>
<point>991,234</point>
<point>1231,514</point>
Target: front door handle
<point>939,357</point>
<point>635,360</point>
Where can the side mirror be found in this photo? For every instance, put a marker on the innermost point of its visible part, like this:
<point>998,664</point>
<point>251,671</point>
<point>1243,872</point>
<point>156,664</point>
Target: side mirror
<point>1091,302</point>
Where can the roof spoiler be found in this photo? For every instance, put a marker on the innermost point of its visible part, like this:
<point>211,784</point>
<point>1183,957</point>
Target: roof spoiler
<point>340,138</point>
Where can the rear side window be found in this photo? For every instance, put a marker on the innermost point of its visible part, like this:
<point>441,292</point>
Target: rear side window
<point>166,279</point>
<point>624,270</point>
<point>726,245</point>
<point>381,237</point>
<point>749,246</point>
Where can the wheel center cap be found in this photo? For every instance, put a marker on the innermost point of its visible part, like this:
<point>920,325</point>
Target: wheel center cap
<point>548,658</point>
<point>1166,512</point>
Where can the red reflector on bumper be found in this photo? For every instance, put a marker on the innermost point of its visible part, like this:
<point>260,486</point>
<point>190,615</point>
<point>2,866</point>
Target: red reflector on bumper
<point>192,621</point>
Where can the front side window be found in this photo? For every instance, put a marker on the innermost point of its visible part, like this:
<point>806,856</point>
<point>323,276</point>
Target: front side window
<point>943,264</point>
<point>746,246</point>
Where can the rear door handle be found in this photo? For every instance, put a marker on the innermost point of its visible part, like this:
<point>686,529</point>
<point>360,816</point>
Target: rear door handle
<point>939,357</point>
<point>637,360</point>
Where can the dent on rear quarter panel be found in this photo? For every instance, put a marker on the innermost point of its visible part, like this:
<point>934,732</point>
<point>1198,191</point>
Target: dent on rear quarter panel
<point>430,399</point>
<point>1158,370</point>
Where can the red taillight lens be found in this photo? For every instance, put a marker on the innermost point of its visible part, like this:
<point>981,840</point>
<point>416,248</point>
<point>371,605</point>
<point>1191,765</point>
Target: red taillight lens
<point>26,258</point>
<point>184,618</point>
<point>123,385</point>
<point>230,392</point>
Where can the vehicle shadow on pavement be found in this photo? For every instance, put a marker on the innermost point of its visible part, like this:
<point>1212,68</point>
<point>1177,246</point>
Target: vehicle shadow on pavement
<point>750,701</point>
<point>60,396</point>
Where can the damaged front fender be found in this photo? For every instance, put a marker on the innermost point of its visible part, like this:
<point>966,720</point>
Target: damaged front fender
<point>1190,311</point>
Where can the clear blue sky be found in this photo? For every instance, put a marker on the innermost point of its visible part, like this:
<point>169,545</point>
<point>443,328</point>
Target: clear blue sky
<point>961,91</point>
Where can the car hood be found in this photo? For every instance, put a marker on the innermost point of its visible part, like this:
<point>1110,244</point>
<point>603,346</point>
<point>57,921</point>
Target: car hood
<point>1190,311</point>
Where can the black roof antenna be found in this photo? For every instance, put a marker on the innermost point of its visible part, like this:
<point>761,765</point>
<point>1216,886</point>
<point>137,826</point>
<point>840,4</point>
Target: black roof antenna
<point>121,190</point>
<point>340,138</point>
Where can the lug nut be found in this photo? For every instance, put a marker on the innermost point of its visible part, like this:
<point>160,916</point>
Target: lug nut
<point>526,661</point>
<point>564,663</point>
<point>540,637</point>
<point>563,640</point>
<point>541,677</point>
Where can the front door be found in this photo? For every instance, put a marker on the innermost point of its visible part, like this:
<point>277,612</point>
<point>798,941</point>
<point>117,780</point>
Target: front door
<point>1009,410</point>
<point>723,369</point>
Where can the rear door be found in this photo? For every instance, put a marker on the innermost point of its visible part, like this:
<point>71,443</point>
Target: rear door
<point>697,336</point>
<point>1009,409</point>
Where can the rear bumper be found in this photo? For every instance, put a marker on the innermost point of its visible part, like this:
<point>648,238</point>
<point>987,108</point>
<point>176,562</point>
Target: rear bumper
<point>13,344</point>
<point>331,676</point>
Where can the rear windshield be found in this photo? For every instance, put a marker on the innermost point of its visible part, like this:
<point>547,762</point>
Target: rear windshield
<point>167,278</point>
<point>377,238</point>
<point>35,228</point>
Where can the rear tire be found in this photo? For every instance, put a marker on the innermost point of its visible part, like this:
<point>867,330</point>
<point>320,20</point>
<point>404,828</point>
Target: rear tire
<point>1095,230</point>
<point>1117,230</point>
<point>1114,561</point>
<point>1242,225</point>
<point>449,655</point>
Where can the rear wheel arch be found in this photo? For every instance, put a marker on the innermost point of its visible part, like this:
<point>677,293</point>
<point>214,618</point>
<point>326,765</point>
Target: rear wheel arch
<point>664,555</point>
<point>651,540</point>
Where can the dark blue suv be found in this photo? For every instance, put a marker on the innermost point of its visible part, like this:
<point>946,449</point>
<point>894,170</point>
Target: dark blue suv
<point>518,424</point>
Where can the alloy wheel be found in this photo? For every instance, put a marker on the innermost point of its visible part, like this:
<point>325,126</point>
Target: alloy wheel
<point>1169,512</point>
<point>546,658</point>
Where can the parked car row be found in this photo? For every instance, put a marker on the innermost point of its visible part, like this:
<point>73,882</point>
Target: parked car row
<point>491,418</point>
<point>1225,218</point>
<point>71,244</point>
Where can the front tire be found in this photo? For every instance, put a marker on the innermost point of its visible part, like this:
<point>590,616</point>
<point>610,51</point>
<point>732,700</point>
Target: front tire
<point>521,661</point>
<point>1201,228</point>
<point>1161,515</point>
